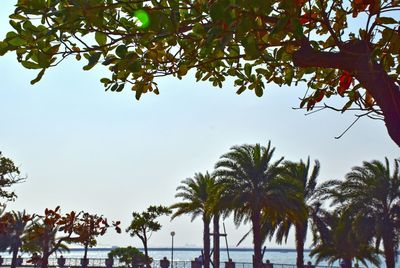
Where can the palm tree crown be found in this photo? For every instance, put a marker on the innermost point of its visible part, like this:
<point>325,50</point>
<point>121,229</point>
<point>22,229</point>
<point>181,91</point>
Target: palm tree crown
<point>251,184</point>
<point>197,193</point>
<point>305,179</point>
<point>374,193</point>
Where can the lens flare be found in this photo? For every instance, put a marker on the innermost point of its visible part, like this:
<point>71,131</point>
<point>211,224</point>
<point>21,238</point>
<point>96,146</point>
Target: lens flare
<point>142,18</point>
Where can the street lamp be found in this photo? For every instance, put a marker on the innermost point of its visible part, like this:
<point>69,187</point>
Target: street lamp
<point>172,249</point>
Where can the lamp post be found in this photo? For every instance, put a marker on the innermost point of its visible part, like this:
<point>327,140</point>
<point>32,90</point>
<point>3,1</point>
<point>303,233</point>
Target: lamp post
<point>172,249</point>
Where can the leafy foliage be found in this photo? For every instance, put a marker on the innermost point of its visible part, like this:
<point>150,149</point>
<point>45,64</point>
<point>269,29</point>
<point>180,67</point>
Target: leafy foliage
<point>50,232</point>
<point>9,175</point>
<point>198,194</point>
<point>13,227</point>
<point>339,238</point>
<point>372,192</point>
<point>281,42</point>
<point>301,174</point>
<point>254,187</point>
<point>128,255</point>
<point>144,224</point>
<point>88,228</point>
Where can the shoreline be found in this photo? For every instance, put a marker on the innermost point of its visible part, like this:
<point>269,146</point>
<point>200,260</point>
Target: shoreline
<point>282,250</point>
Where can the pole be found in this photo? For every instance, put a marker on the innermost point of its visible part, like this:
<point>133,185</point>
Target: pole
<point>172,249</point>
<point>226,241</point>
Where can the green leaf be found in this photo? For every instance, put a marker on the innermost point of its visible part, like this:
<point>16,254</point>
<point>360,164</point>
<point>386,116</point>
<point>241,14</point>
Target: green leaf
<point>30,65</point>
<point>241,90</point>
<point>114,87</point>
<point>14,39</point>
<point>105,80</point>
<point>120,87</point>
<point>135,67</point>
<point>347,106</point>
<point>386,20</point>
<point>247,69</point>
<point>121,51</point>
<point>250,47</point>
<point>93,59</point>
<point>38,77</point>
<point>289,74</point>
<point>259,91</point>
<point>101,38</point>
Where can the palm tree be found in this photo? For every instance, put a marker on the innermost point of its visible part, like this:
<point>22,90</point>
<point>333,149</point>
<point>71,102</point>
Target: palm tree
<point>374,193</point>
<point>17,224</point>
<point>337,236</point>
<point>197,194</point>
<point>306,180</point>
<point>20,225</point>
<point>42,239</point>
<point>251,184</point>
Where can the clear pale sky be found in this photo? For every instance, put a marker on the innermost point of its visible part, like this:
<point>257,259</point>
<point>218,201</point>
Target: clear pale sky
<point>86,149</point>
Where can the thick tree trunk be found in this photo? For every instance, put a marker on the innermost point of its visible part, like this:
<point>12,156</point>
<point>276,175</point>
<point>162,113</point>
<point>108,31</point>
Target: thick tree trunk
<point>386,94</point>
<point>388,246</point>
<point>45,260</point>
<point>300,237</point>
<point>206,242</point>
<point>255,219</point>
<point>216,238</point>
<point>357,59</point>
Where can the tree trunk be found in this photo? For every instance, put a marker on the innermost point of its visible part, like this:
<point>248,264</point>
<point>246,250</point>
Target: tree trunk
<point>347,263</point>
<point>300,231</point>
<point>206,242</point>
<point>85,255</point>
<point>45,260</point>
<point>255,219</point>
<point>357,59</point>
<point>14,257</point>
<point>216,240</point>
<point>46,251</point>
<point>146,253</point>
<point>388,249</point>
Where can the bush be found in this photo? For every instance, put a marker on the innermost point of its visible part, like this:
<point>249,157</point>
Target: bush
<point>128,255</point>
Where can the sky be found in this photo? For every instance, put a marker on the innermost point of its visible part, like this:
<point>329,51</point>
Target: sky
<point>86,149</point>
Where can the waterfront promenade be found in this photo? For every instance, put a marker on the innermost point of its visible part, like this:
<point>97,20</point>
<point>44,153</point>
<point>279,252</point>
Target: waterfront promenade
<point>101,263</point>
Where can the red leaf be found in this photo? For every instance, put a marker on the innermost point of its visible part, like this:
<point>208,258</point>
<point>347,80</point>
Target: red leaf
<point>344,82</point>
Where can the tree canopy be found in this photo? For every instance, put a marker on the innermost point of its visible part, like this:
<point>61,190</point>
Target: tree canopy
<point>346,48</point>
<point>9,175</point>
<point>145,223</point>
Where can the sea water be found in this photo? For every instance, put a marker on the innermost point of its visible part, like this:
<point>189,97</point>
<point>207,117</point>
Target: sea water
<point>277,256</point>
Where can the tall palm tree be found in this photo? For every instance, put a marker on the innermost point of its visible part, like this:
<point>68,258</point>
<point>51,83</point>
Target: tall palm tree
<point>301,174</point>
<point>251,184</point>
<point>374,193</point>
<point>197,198</point>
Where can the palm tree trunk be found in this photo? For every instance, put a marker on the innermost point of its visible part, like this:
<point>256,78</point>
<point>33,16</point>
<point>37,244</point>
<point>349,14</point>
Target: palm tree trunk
<point>206,242</point>
<point>300,231</point>
<point>388,249</point>
<point>255,218</point>
<point>216,240</point>
<point>14,257</point>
